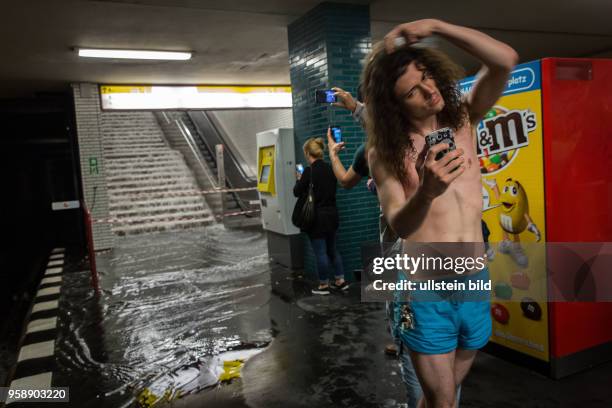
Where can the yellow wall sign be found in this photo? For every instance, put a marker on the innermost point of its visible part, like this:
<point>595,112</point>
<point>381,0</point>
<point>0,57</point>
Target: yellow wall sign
<point>243,89</point>
<point>119,89</point>
<point>153,97</point>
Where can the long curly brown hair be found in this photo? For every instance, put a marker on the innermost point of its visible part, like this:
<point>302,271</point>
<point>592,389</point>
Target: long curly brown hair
<point>388,122</point>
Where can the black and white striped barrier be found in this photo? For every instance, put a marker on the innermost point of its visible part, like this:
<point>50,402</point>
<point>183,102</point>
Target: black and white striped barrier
<point>36,358</point>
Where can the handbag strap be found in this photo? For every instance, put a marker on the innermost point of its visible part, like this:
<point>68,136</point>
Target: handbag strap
<point>310,194</point>
<point>312,176</point>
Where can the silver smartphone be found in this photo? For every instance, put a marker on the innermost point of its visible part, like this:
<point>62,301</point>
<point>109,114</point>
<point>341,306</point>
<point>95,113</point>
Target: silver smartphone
<point>444,135</point>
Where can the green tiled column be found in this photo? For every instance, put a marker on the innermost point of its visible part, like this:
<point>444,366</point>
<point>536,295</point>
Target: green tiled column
<point>327,47</point>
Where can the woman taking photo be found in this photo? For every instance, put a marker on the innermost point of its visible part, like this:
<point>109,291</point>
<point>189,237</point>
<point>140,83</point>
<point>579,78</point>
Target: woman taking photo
<point>322,234</point>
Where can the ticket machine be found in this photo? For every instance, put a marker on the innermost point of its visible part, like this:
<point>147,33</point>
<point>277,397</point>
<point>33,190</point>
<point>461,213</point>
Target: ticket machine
<point>275,181</point>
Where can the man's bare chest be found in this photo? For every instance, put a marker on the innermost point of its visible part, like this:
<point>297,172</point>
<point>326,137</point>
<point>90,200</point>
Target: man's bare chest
<point>464,185</point>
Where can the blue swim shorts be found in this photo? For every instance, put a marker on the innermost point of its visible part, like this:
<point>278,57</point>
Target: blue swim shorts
<point>450,321</point>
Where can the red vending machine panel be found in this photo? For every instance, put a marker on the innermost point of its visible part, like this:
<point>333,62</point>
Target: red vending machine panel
<point>577,125</point>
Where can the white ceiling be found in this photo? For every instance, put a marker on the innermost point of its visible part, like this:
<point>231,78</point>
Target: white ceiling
<point>245,41</point>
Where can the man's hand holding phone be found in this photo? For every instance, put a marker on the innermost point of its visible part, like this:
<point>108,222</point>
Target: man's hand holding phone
<point>344,99</point>
<point>436,175</point>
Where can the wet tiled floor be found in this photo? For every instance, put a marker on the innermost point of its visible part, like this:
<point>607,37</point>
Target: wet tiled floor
<point>175,306</point>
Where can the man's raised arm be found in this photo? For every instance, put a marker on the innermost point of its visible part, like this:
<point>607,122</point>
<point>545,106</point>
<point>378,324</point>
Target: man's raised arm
<point>497,57</point>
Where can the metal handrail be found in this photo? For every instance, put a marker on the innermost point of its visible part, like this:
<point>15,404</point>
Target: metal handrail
<point>203,122</point>
<point>196,152</point>
<point>234,153</point>
<point>197,159</point>
<point>235,174</point>
<point>186,134</point>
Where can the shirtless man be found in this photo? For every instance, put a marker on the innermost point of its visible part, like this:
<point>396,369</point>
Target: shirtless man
<point>411,92</point>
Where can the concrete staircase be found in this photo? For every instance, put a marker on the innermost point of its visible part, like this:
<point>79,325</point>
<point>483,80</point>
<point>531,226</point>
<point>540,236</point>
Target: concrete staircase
<point>150,186</point>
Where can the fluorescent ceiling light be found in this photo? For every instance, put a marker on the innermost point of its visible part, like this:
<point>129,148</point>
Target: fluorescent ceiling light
<point>133,54</point>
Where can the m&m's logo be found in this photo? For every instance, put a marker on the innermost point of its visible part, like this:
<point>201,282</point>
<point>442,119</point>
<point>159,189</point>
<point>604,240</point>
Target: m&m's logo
<point>500,135</point>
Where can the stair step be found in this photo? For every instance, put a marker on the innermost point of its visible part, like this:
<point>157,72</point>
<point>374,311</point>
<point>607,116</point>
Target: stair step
<point>144,170</point>
<point>145,152</point>
<point>167,216</point>
<point>143,157</point>
<point>147,203</point>
<point>122,134</point>
<point>154,184</point>
<point>154,189</point>
<point>128,144</point>
<point>147,161</point>
<point>129,123</point>
<point>165,209</point>
<point>132,141</point>
<point>152,196</point>
<point>118,129</point>
<point>148,175</point>
<point>163,226</point>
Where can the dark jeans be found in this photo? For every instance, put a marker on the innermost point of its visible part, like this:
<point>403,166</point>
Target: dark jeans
<point>327,255</point>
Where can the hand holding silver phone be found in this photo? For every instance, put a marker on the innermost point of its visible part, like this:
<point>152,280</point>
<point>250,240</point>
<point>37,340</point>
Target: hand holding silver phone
<point>444,135</point>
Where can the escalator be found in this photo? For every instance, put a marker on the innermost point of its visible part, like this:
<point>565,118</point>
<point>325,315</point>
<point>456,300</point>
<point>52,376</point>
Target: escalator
<point>207,135</point>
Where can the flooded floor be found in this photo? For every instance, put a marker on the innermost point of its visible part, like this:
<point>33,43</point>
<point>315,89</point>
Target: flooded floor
<point>169,301</point>
<point>179,311</point>
<point>176,307</point>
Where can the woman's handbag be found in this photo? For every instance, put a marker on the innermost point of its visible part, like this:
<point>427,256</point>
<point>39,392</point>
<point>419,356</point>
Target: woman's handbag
<point>304,212</point>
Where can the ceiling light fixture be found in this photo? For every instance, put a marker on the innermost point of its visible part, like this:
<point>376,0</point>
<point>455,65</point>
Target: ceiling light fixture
<point>133,54</point>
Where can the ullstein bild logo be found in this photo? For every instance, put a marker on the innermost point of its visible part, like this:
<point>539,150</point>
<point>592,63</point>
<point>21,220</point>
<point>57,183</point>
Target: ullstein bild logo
<point>508,130</point>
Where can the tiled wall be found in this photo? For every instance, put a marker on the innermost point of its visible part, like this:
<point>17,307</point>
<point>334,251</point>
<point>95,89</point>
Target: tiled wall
<point>87,112</point>
<point>327,47</point>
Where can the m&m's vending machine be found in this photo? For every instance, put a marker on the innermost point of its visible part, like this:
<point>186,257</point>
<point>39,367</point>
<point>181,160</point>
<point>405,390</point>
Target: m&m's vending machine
<point>545,152</point>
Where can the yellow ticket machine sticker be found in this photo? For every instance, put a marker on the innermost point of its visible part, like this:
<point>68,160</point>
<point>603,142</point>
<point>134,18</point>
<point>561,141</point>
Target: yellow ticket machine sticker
<point>265,172</point>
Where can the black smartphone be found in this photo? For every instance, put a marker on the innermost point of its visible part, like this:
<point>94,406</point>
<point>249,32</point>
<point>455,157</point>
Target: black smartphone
<point>444,135</point>
<point>325,96</point>
<point>299,168</point>
<point>336,133</point>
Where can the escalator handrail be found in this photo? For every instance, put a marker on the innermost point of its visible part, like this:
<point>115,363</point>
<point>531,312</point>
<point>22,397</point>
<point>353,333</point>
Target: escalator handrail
<point>230,179</point>
<point>234,174</point>
<point>186,134</point>
<point>236,169</point>
<point>194,148</point>
<point>236,157</point>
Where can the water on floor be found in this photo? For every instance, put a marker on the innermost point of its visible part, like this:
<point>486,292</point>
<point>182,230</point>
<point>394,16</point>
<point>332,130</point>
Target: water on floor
<point>178,311</point>
<point>181,312</point>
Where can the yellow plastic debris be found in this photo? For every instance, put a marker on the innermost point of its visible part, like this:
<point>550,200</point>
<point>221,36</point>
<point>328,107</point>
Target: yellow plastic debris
<point>148,399</point>
<point>231,369</point>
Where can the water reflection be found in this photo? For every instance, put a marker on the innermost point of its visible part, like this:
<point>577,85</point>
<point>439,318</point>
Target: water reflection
<point>174,307</point>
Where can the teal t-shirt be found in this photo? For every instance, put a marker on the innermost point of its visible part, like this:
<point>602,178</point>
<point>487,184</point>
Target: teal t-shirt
<point>360,164</point>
